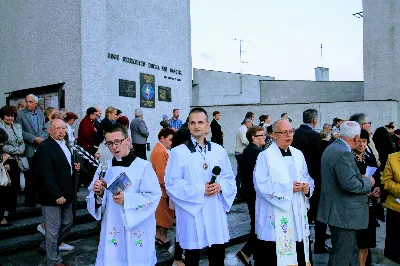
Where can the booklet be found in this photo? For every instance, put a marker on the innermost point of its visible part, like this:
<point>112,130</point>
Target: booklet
<point>121,183</point>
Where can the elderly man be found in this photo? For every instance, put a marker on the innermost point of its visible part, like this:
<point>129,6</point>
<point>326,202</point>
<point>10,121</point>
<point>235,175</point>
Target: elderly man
<point>309,142</point>
<point>139,134</point>
<point>54,166</point>
<point>343,202</point>
<point>283,186</point>
<point>32,122</point>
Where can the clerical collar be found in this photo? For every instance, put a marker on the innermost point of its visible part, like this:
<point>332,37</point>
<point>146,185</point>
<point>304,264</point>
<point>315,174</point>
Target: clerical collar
<point>124,161</point>
<point>285,153</point>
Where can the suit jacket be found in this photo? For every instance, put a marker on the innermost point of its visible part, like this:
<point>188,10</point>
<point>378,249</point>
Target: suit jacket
<point>28,132</point>
<point>139,131</point>
<point>249,158</point>
<point>309,142</point>
<point>100,134</point>
<point>216,133</point>
<point>96,123</point>
<point>53,173</point>
<point>87,134</point>
<point>343,201</point>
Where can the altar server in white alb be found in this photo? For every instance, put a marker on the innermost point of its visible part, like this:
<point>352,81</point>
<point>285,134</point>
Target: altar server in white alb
<point>283,187</point>
<point>200,207</point>
<point>128,223</point>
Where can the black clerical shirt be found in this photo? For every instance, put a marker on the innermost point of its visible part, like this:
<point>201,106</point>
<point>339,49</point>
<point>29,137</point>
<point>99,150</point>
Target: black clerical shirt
<point>285,153</point>
<point>125,161</point>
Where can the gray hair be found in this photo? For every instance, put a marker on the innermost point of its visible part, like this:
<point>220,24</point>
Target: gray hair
<point>350,129</point>
<point>309,115</point>
<point>326,125</point>
<point>275,124</point>
<point>33,96</point>
<point>138,112</point>
<point>360,118</point>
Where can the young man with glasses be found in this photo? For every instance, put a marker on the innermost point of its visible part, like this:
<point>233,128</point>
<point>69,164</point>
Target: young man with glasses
<point>128,224</point>
<point>282,186</point>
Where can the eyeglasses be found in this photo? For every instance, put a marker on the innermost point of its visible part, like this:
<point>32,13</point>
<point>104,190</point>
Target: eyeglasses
<point>260,135</point>
<point>286,133</point>
<point>115,142</point>
<point>367,123</point>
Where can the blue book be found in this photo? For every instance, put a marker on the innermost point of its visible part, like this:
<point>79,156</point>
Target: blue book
<point>121,183</point>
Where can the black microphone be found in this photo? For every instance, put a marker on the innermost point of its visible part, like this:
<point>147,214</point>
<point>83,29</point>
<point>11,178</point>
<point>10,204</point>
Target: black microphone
<point>104,167</point>
<point>216,171</point>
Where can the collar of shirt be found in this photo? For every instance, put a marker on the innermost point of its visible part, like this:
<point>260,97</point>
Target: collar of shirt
<point>197,145</point>
<point>124,161</point>
<point>33,113</point>
<point>309,126</point>
<point>164,147</point>
<point>285,153</point>
<point>60,142</point>
<point>347,145</point>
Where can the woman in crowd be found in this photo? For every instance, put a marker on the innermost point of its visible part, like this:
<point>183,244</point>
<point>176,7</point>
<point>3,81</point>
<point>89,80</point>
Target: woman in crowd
<point>366,239</point>
<point>391,184</point>
<point>383,144</point>
<point>70,118</point>
<point>4,190</point>
<point>14,147</point>
<point>21,105</point>
<point>47,113</point>
<point>111,117</point>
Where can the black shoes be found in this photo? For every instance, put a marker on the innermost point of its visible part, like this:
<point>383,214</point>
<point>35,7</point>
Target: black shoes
<point>323,250</point>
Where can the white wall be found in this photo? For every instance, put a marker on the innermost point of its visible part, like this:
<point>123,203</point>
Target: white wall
<point>379,112</point>
<point>222,88</point>
<point>40,45</point>
<point>301,91</point>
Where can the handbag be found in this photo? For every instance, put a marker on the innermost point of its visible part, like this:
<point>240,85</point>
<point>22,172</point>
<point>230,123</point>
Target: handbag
<point>22,163</point>
<point>4,177</point>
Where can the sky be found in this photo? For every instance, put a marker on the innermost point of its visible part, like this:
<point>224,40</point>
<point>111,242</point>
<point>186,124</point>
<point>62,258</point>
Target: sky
<point>281,38</point>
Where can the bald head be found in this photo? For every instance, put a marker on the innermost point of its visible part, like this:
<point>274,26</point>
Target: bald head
<point>283,133</point>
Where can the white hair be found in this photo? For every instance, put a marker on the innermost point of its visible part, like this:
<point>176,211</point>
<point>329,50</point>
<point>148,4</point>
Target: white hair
<point>138,112</point>
<point>350,129</point>
<point>33,96</point>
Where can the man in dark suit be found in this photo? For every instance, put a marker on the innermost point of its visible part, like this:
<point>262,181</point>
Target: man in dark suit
<point>310,143</point>
<point>343,201</point>
<point>32,122</point>
<point>98,119</point>
<point>256,138</point>
<point>54,165</point>
<point>139,134</point>
<point>217,134</point>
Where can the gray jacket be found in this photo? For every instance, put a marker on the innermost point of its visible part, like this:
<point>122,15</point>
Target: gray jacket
<point>139,131</point>
<point>15,144</point>
<point>343,201</point>
<point>28,132</point>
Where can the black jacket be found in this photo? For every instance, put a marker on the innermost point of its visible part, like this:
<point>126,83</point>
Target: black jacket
<point>249,158</point>
<point>53,173</point>
<point>216,133</point>
<point>310,143</point>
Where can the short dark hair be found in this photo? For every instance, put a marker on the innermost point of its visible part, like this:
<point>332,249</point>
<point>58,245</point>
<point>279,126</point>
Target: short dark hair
<point>165,132</point>
<point>359,118</point>
<point>119,112</point>
<point>180,137</point>
<point>389,126</point>
<point>252,132</point>
<point>7,110</point>
<point>116,127</point>
<point>69,116</point>
<point>173,111</point>
<point>336,120</point>
<point>283,114</point>
<point>198,110</point>
<point>309,115</point>
<point>215,113</point>
<point>91,110</point>
<point>3,136</point>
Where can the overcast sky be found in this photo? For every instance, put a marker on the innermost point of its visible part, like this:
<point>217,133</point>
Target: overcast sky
<point>282,38</point>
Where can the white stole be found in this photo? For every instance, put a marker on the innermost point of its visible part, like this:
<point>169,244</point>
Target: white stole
<point>284,218</point>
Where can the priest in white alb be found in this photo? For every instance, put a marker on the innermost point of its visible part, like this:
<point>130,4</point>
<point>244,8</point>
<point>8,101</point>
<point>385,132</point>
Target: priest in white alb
<point>283,187</point>
<point>128,222</point>
<point>201,206</point>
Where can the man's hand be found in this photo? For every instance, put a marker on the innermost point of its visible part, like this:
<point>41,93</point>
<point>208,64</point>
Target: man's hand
<point>376,192</point>
<point>38,140</point>
<point>98,188</point>
<point>61,201</point>
<point>213,189</point>
<point>77,166</point>
<point>372,180</point>
<point>297,187</point>
<point>119,198</point>
<point>306,188</point>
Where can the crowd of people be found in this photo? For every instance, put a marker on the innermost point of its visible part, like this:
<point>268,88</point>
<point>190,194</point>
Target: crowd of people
<point>341,177</point>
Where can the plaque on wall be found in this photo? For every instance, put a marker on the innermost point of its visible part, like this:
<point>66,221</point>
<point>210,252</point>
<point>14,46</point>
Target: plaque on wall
<point>127,88</point>
<point>164,94</point>
<point>147,91</point>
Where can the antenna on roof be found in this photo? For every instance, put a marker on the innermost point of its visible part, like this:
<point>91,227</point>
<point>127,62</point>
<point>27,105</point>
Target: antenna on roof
<point>322,62</point>
<point>241,51</point>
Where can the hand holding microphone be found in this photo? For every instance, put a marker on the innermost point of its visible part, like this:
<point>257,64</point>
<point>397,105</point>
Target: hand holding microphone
<point>104,167</point>
<point>213,188</point>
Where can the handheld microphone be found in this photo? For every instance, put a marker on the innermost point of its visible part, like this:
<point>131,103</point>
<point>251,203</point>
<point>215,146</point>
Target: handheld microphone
<point>104,167</point>
<point>216,171</point>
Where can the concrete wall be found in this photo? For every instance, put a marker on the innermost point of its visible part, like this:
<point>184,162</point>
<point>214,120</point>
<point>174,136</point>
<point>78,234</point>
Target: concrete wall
<point>40,45</point>
<point>222,88</point>
<point>381,49</point>
<point>380,113</point>
<point>287,91</point>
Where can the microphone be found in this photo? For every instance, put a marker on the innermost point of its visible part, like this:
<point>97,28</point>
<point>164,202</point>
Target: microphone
<point>216,171</point>
<point>104,167</point>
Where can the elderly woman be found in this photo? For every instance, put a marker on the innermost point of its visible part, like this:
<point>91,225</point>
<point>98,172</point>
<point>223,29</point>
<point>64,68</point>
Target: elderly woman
<point>391,184</point>
<point>14,147</point>
<point>366,238</point>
